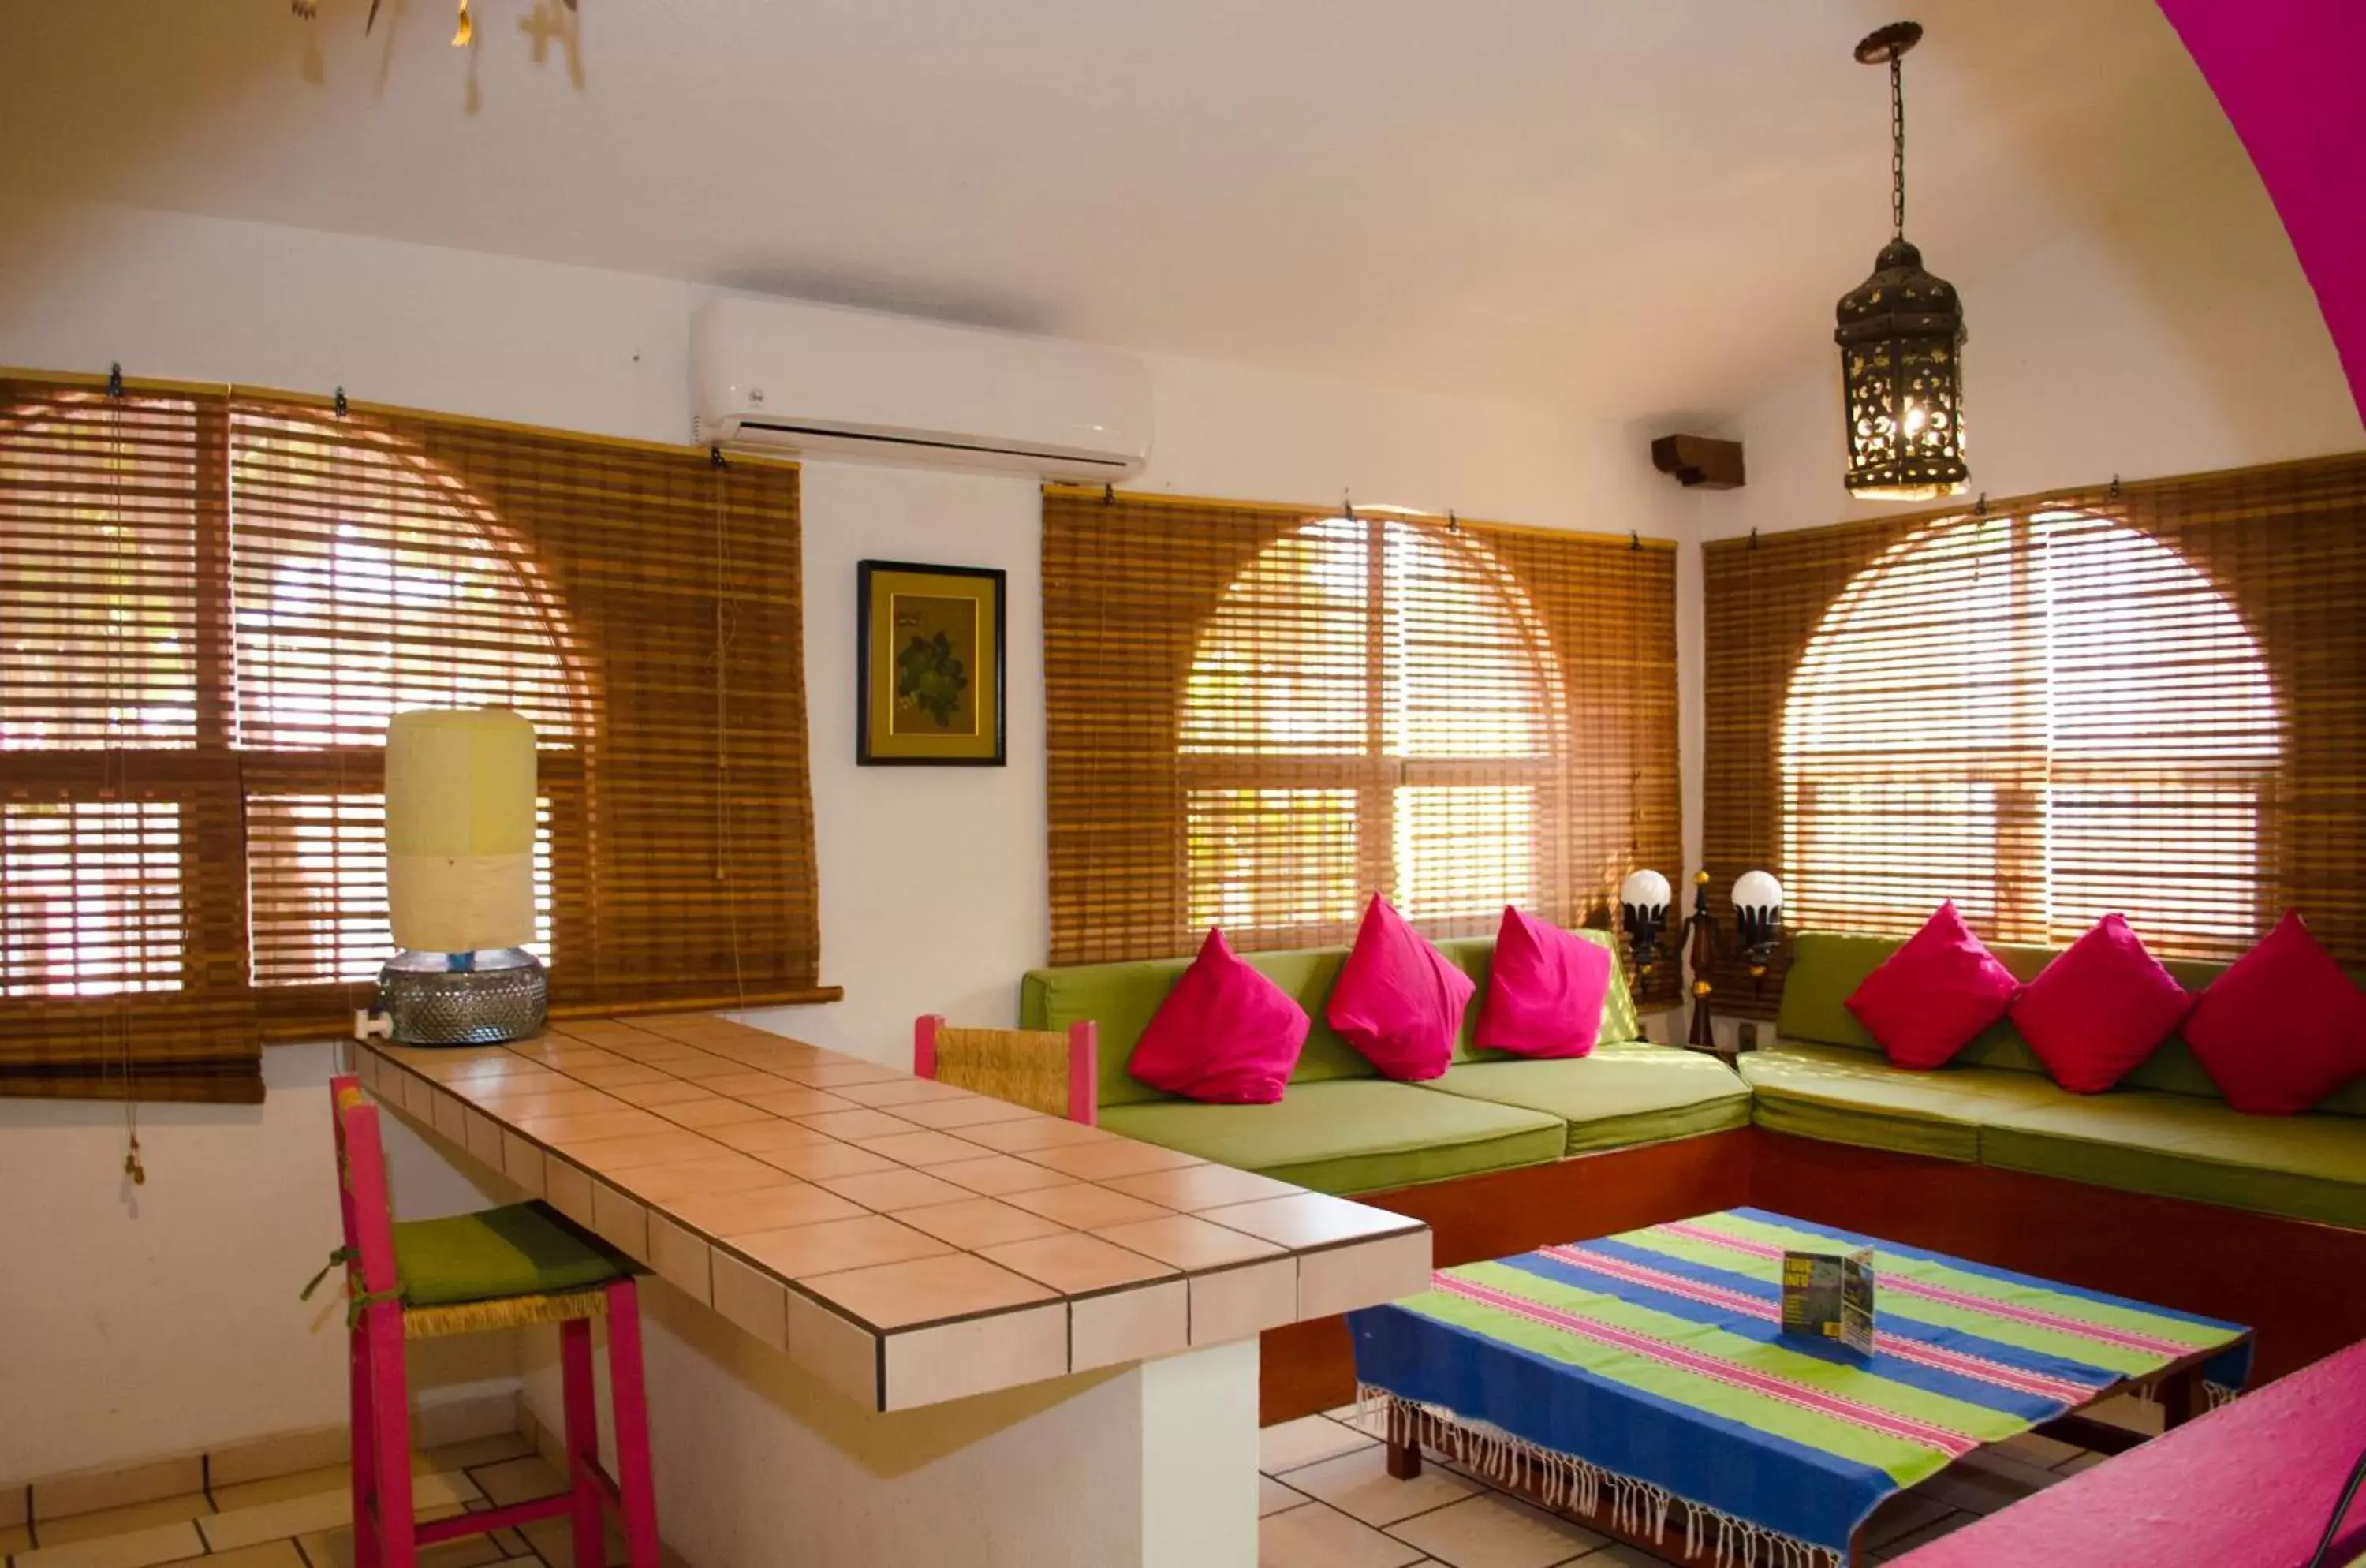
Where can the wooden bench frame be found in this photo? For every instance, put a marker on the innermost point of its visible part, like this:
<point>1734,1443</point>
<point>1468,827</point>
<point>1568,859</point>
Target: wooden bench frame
<point>2295,1282</point>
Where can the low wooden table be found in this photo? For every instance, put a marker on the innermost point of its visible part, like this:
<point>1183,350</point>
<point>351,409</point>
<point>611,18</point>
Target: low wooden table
<point>1641,1383</point>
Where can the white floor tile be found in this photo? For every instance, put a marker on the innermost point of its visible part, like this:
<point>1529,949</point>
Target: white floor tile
<point>1925,1536</point>
<point>1977,1490</point>
<point>323,1511</point>
<point>2012,1469</point>
<point>1304,1441</point>
<point>1317,1537</point>
<point>2045,1451</point>
<point>1492,1530</point>
<point>1360,1483</point>
<point>133,1548</point>
<point>1902,1516</point>
<point>1273,1496</point>
<point>2126,1410</point>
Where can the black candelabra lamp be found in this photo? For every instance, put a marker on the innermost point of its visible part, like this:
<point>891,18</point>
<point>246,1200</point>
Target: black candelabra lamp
<point>1758,925</point>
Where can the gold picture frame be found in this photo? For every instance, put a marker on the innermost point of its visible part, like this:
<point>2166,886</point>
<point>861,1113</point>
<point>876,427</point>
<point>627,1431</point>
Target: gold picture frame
<point>929,659</point>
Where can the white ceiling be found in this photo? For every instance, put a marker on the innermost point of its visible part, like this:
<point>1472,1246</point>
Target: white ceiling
<point>1628,207</point>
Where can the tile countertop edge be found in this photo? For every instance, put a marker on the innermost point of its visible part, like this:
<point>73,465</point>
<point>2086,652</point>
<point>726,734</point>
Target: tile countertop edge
<point>1379,1255</point>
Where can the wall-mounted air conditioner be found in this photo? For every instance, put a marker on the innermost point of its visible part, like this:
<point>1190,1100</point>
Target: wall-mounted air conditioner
<point>815,378</point>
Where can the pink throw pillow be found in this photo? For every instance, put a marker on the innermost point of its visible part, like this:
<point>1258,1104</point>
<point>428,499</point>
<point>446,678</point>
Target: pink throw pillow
<point>1934,996</point>
<point>1544,990</point>
<point>2282,1027</point>
<point>1225,1034</point>
<point>2100,1009</point>
<point>1399,1000</point>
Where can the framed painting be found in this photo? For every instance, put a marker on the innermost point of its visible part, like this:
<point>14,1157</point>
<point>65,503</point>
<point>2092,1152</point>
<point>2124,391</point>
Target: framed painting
<point>929,643</point>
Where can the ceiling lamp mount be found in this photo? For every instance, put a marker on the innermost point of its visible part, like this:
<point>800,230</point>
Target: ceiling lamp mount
<point>1901,336</point>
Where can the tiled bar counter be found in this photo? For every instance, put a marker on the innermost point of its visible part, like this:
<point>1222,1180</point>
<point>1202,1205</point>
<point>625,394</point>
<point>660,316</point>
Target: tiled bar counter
<point>902,1242</point>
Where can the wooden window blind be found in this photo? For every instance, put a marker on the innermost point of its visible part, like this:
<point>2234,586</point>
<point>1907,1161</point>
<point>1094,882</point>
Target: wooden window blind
<point>1259,716</point>
<point>213,601</point>
<point>2148,698</point>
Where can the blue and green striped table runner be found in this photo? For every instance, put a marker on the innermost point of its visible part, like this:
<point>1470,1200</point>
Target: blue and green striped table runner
<point>1651,1365</point>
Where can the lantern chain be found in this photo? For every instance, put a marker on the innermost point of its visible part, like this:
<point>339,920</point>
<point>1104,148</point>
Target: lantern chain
<point>1897,142</point>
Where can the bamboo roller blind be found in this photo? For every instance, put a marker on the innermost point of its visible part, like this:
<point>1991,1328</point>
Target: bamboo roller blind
<point>1257,716</point>
<point>2148,698</point>
<point>213,601</point>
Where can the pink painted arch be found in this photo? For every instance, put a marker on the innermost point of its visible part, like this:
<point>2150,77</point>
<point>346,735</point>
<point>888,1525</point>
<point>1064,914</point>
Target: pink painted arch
<point>2288,74</point>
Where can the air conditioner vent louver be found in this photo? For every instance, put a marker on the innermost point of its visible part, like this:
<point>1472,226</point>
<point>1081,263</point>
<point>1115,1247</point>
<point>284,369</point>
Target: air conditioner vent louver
<point>819,380</point>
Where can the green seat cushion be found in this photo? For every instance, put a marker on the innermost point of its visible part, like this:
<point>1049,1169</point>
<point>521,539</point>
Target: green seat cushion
<point>2175,1146</point>
<point>1840,1095</point>
<point>1616,1094</point>
<point>522,1249</point>
<point>1350,1135</point>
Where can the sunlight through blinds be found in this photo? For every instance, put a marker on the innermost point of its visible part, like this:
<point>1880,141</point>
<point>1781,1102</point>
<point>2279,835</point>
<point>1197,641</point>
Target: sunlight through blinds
<point>2148,698</point>
<point>212,604</point>
<point>1258,716</point>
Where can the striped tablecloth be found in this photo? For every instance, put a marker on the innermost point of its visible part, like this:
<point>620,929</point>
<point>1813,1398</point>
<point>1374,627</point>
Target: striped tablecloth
<point>1649,1370</point>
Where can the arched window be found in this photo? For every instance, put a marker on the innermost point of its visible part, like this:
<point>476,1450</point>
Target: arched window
<point>366,579</point>
<point>211,601</point>
<point>360,578</point>
<point>1372,704</point>
<point>2046,719</point>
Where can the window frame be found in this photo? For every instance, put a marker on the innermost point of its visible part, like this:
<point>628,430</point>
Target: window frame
<point>672,571</point>
<point>1375,775</point>
<point>2025,899</point>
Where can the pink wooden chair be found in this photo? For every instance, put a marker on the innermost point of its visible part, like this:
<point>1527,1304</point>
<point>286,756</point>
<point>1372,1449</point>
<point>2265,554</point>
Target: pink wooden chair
<point>1056,1074</point>
<point>504,1267</point>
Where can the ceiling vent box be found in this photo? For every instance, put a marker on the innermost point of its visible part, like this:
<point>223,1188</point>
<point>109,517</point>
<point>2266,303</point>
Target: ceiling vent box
<point>1699,460</point>
<point>780,376</point>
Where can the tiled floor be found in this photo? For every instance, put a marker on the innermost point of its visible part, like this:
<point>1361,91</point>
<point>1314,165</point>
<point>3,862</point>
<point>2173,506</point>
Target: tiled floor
<point>305,1520</point>
<point>1323,1501</point>
<point>1326,1501</point>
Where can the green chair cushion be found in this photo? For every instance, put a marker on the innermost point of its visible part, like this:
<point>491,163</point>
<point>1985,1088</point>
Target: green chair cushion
<point>1350,1135</point>
<point>1121,998</point>
<point>2175,1146</point>
<point>1842,1096</point>
<point>1616,1096</point>
<point>522,1249</point>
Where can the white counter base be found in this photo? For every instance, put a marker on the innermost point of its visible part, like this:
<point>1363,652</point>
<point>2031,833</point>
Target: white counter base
<point>761,1465</point>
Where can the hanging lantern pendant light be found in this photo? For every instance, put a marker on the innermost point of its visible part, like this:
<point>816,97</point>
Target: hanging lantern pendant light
<point>1901,339</point>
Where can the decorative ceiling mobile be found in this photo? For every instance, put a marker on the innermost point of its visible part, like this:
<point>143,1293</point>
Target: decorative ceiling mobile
<point>463,31</point>
<point>1901,340</point>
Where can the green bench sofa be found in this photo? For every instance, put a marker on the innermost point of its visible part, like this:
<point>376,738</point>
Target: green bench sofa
<point>2158,1189</point>
<point>1344,1128</point>
<point>2164,1131</point>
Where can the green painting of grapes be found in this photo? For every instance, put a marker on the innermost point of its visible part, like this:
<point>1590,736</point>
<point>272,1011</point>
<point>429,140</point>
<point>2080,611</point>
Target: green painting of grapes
<point>936,666</point>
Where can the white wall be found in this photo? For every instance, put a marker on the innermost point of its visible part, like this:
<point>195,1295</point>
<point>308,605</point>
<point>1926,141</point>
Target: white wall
<point>933,881</point>
<point>164,1318</point>
<point>2176,336</point>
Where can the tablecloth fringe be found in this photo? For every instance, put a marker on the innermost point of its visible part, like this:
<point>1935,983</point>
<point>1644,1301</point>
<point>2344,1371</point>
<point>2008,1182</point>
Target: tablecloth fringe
<point>1564,1482</point>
